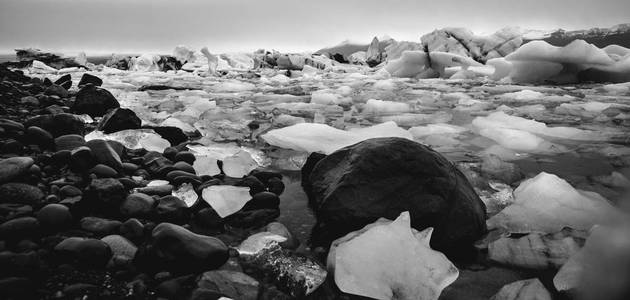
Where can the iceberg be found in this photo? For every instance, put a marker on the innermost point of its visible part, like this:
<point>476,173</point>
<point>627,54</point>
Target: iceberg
<point>389,260</point>
<point>226,199</point>
<point>313,137</point>
<point>547,203</point>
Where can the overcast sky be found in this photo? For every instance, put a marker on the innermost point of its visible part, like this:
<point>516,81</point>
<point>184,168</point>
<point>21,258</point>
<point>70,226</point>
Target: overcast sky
<point>134,26</point>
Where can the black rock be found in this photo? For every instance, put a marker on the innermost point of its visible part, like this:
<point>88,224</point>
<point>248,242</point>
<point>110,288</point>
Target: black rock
<point>56,90</point>
<point>275,186</point>
<point>40,137</point>
<point>69,142</point>
<point>384,177</point>
<point>184,166</point>
<point>106,191</point>
<point>263,200</point>
<point>255,186</point>
<point>207,218</point>
<point>90,253</point>
<point>14,168</point>
<point>22,193</point>
<point>81,159</point>
<point>16,288</point>
<point>100,226</point>
<point>180,251</point>
<point>119,119</point>
<point>252,218</point>
<point>59,124</point>
<point>89,78</point>
<point>103,171</point>
<point>105,154</point>
<point>54,217</point>
<point>19,228</point>
<point>132,229</point>
<point>137,205</point>
<point>172,210</point>
<point>185,156</point>
<point>94,101</point>
<point>65,81</point>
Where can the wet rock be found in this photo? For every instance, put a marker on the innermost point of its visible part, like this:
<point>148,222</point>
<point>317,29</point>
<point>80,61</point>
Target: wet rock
<point>208,218</point>
<point>281,230</point>
<point>103,171</point>
<point>120,246</point>
<point>19,228</point>
<point>235,285</point>
<point>173,210</point>
<point>173,135</point>
<point>174,288</point>
<point>252,218</point>
<point>65,81</point>
<point>25,263</point>
<point>119,119</point>
<point>58,124</point>
<point>69,142</point>
<point>185,156</point>
<point>81,159</point>
<point>89,78</point>
<point>275,186</point>
<point>263,200</point>
<point>16,288</point>
<point>383,177</point>
<point>91,253</point>
<point>107,191</point>
<point>180,250</point>
<point>99,226</point>
<point>137,205</point>
<point>132,229</point>
<point>105,154</point>
<point>14,167</point>
<point>159,190</point>
<point>30,100</point>
<point>40,137</point>
<point>22,193</point>
<point>54,217</point>
<point>523,290</point>
<point>11,211</point>
<point>94,101</point>
<point>255,186</point>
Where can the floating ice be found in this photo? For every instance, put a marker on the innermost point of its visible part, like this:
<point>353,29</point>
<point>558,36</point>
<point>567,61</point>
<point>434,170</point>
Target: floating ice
<point>410,64</point>
<point>436,129</point>
<point>546,203</point>
<point>524,95</point>
<point>313,137</point>
<point>239,164</point>
<point>213,61</point>
<point>390,260</point>
<point>530,289</point>
<point>226,199</point>
<point>40,67</point>
<point>133,139</point>
<point>206,165</point>
<point>373,106</point>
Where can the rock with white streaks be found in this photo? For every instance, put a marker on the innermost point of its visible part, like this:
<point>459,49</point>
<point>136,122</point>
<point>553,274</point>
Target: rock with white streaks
<point>389,260</point>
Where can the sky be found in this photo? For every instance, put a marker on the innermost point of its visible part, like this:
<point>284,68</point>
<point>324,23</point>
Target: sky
<point>157,26</point>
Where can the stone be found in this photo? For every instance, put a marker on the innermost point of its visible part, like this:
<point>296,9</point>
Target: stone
<point>255,186</point>
<point>184,166</point>
<point>132,229</point>
<point>173,210</point>
<point>14,167</point>
<point>530,289</point>
<point>180,250</point>
<point>69,142</point>
<point>120,246</point>
<point>40,137</point>
<point>383,177</point>
<point>89,78</point>
<point>19,228</point>
<point>16,288</point>
<point>56,90</point>
<point>251,219</point>
<point>107,191</point>
<point>119,119</point>
<point>105,154</point>
<point>103,171</point>
<point>275,186</point>
<point>65,81</point>
<point>137,205</point>
<point>58,124</point>
<point>22,193</point>
<point>390,260</point>
<point>89,253</point>
<point>94,101</point>
<point>54,217</point>
<point>81,159</point>
<point>263,200</point>
<point>185,156</point>
<point>30,100</point>
<point>99,226</point>
<point>278,228</point>
<point>235,285</point>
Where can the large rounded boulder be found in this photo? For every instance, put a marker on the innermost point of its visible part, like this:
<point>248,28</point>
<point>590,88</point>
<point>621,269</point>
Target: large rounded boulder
<point>94,101</point>
<point>384,177</point>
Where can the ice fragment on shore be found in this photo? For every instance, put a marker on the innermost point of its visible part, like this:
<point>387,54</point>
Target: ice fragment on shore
<point>226,199</point>
<point>530,289</point>
<point>390,260</point>
<point>312,137</point>
<point>547,203</point>
<point>133,139</point>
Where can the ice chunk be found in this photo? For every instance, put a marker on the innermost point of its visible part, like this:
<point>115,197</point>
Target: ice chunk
<point>536,250</point>
<point>502,68</point>
<point>175,122</point>
<point>524,95</point>
<point>326,98</point>
<point>312,137</point>
<point>239,164</point>
<point>186,193</point>
<point>145,63</point>
<point>213,61</point>
<point>442,60</point>
<point>410,64</point>
<point>530,289</point>
<point>390,260</point>
<point>436,129</point>
<point>577,52</point>
<point>601,270</point>
<point>500,120</point>
<point>386,85</point>
<point>133,139</point>
<point>547,203</point>
<point>226,199</point>
<point>40,67</point>
<point>373,106</point>
<point>206,165</point>
<point>184,54</point>
<point>516,139</point>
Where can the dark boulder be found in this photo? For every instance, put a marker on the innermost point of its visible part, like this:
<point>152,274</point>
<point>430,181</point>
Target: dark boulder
<point>119,119</point>
<point>22,193</point>
<point>173,135</point>
<point>89,78</point>
<point>181,251</point>
<point>382,177</point>
<point>65,81</point>
<point>94,101</point>
<point>90,253</point>
<point>59,124</point>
